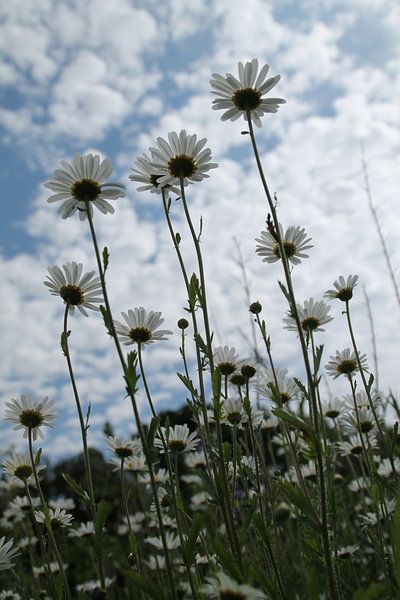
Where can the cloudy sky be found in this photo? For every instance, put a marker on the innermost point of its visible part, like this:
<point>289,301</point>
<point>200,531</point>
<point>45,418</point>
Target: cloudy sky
<point>109,76</point>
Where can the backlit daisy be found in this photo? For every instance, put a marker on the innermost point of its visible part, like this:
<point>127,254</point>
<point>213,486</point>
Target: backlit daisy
<point>141,328</point>
<point>266,387</point>
<point>77,290</point>
<point>312,315</point>
<point>181,157</point>
<point>294,240</point>
<point>80,184</point>
<point>226,359</point>
<point>58,517</point>
<point>233,412</point>
<point>144,173</point>
<point>30,415</point>
<point>223,586</point>
<point>343,288</point>
<point>19,466</point>
<point>123,448</point>
<point>178,439</point>
<point>7,554</point>
<point>345,363</point>
<point>237,96</point>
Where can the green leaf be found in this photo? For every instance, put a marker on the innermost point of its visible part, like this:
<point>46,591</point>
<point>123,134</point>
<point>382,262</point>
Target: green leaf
<point>376,591</point>
<point>78,489</point>
<point>301,387</point>
<point>293,420</point>
<point>396,539</point>
<point>101,514</point>
<point>107,320</point>
<point>201,344</point>
<point>216,386</point>
<point>147,585</point>
<point>131,375</point>
<point>188,384</point>
<point>155,421</point>
<point>106,257</point>
<point>190,546</point>
<point>178,238</point>
<point>193,288</point>
<point>64,342</point>
<point>226,559</point>
<point>318,356</point>
<point>370,382</point>
<point>394,438</point>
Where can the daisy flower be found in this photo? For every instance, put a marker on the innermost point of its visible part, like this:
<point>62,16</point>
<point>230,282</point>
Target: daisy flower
<point>181,157</point>
<point>287,388</point>
<point>19,466</point>
<point>141,328</point>
<point>312,315</point>
<point>245,95</point>
<point>347,551</point>
<point>7,554</point>
<point>178,439</point>
<point>30,415</point>
<point>294,240</point>
<point>233,412</point>
<point>345,363</point>
<point>343,288</point>
<point>223,586</point>
<point>84,530</point>
<point>59,517</point>
<point>123,448</point>
<point>9,595</point>
<point>76,289</point>
<point>334,408</point>
<point>80,184</point>
<point>364,424</point>
<point>171,539</point>
<point>144,173</point>
<point>226,359</point>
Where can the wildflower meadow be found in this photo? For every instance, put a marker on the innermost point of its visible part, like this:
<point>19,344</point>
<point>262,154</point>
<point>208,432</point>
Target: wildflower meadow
<point>265,485</point>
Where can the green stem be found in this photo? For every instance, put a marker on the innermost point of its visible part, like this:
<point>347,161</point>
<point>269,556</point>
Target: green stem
<point>132,396</point>
<point>331,575</point>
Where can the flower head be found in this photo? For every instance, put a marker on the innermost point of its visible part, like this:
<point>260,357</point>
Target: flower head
<point>141,328</point>
<point>312,315</point>
<point>284,386</point>
<point>244,96</point>
<point>343,288</point>
<point>295,242</point>
<point>7,554</point>
<point>345,363</point>
<point>144,173</point>
<point>233,412</point>
<point>30,415</point>
<point>226,359</point>
<point>58,517</point>
<point>123,448</point>
<point>77,290</point>
<point>84,530</point>
<point>181,157</point>
<point>19,466</point>
<point>79,184</point>
<point>223,586</point>
<point>178,439</point>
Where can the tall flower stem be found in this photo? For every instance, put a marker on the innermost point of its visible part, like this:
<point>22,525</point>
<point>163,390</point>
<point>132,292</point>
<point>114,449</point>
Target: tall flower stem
<point>44,508</point>
<point>83,426</point>
<point>221,494</point>
<point>367,389</point>
<point>203,302</point>
<point>330,571</point>
<point>50,577</point>
<point>132,395</point>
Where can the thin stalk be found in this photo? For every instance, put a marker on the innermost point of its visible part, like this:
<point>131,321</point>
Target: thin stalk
<point>131,393</point>
<point>331,575</point>
<point>83,427</point>
<point>368,391</point>
<point>50,532</point>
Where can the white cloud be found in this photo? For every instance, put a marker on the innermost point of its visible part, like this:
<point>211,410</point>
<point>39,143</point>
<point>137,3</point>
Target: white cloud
<point>312,155</point>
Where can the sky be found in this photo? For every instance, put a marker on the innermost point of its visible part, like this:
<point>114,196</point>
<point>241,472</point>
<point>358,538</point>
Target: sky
<point>109,77</point>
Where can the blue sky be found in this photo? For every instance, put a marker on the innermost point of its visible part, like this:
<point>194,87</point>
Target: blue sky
<point>109,77</point>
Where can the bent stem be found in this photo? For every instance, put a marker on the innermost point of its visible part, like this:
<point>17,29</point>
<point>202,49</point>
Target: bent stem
<point>330,571</point>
